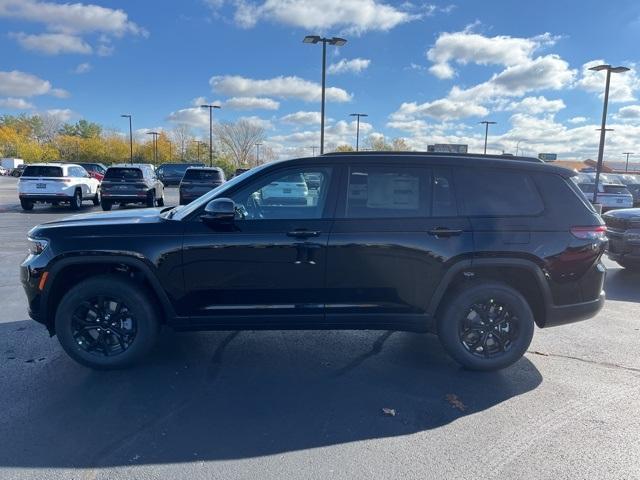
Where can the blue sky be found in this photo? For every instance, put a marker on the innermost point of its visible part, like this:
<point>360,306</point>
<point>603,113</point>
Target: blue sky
<point>427,72</point>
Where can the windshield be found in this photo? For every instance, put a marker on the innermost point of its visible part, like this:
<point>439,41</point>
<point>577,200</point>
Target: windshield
<point>42,171</point>
<point>184,211</point>
<point>123,174</point>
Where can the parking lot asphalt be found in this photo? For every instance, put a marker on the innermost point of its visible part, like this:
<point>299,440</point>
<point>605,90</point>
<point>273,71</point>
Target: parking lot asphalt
<point>308,404</point>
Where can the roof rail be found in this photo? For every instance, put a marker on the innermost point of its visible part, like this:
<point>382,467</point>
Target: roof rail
<point>434,154</point>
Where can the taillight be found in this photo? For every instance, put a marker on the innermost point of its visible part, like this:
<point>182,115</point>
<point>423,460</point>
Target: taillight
<point>594,232</point>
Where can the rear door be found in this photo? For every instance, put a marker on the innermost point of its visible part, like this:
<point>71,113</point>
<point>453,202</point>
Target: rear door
<point>397,230</point>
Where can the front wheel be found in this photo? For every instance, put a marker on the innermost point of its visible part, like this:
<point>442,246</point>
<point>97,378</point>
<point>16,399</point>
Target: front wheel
<point>96,198</point>
<point>106,322</point>
<point>151,199</point>
<point>161,200</point>
<point>486,326</point>
<point>106,205</point>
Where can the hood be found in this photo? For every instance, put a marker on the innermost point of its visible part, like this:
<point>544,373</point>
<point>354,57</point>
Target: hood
<point>120,217</point>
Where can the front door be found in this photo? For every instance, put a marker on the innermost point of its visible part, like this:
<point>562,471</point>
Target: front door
<point>271,262</point>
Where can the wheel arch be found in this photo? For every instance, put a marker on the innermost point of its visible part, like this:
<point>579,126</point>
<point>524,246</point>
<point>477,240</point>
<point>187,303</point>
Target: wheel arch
<point>523,275</point>
<point>68,272</point>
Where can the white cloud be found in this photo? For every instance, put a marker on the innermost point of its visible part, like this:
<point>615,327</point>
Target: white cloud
<point>629,112</point>
<point>576,120</point>
<point>71,17</point>
<point>82,68</point>
<point>196,102</point>
<point>350,16</point>
<point>66,23</point>
<point>355,65</point>
<point>302,118</point>
<point>20,84</point>
<point>468,47</point>
<point>535,105</point>
<point>62,114</point>
<point>622,88</point>
<point>441,109</point>
<point>279,87</point>
<point>15,103</point>
<point>52,43</point>
<point>258,122</point>
<point>194,117</point>
<point>251,103</point>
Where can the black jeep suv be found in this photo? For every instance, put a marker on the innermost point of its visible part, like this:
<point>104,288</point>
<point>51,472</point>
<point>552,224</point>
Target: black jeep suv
<point>473,248</point>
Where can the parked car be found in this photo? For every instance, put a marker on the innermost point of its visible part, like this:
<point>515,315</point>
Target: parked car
<point>240,171</point>
<point>131,183</point>
<point>199,180</point>
<point>610,195</point>
<point>477,249</point>
<point>56,183</point>
<point>96,170</point>
<point>172,173</point>
<point>288,190</point>
<point>623,231</point>
<point>17,172</point>
<point>630,181</point>
<point>4,171</point>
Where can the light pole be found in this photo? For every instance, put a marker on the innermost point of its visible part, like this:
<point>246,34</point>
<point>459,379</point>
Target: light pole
<point>358,115</point>
<point>130,138</point>
<point>211,107</point>
<point>626,168</point>
<point>313,149</point>
<point>603,129</point>
<point>518,147</point>
<point>155,146</point>
<point>486,132</point>
<point>258,154</point>
<point>198,143</point>
<point>338,42</point>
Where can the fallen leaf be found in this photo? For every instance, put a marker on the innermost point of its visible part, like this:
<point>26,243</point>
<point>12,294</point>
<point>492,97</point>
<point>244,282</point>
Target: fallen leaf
<point>389,412</point>
<point>455,402</point>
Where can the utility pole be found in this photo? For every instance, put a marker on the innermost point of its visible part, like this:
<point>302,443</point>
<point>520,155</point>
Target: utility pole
<point>258,154</point>
<point>130,138</point>
<point>358,115</point>
<point>626,168</point>
<point>486,132</point>
<point>210,107</point>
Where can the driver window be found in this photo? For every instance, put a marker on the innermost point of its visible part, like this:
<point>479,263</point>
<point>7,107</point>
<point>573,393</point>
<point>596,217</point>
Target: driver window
<point>298,193</point>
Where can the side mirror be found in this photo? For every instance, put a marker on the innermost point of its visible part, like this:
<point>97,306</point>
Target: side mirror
<point>219,211</point>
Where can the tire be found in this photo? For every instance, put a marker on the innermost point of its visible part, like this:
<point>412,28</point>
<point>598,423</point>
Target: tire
<point>106,205</point>
<point>487,312</point>
<point>151,199</point>
<point>161,200</point>
<point>76,200</point>
<point>26,205</point>
<point>88,334</point>
<point>96,198</point>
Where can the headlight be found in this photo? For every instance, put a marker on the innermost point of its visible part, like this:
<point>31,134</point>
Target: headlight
<point>37,245</point>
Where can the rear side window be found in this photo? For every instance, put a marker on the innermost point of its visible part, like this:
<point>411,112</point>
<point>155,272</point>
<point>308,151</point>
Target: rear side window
<point>41,171</point>
<point>213,175</point>
<point>123,174</point>
<point>387,192</point>
<point>615,189</point>
<point>498,193</point>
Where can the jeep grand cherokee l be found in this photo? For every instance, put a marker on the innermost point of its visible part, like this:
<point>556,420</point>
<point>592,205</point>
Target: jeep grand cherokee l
<point>134,183</point>
<point>475,249</point>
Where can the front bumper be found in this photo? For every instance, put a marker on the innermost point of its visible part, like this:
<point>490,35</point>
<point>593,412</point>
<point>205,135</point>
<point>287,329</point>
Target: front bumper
<point>30,277</point>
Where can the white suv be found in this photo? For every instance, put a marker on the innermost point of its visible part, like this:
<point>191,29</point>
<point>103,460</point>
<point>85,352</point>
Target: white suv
<point>56,183</point>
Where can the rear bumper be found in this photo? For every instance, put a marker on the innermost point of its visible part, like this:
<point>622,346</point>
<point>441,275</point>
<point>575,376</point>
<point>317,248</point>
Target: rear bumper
<point>34,197</point>
<point>560,315</point>
<point>124,198</point>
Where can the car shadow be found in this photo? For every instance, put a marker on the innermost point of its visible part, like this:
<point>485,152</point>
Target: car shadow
<point>233,395</point>
<point>623,285</point>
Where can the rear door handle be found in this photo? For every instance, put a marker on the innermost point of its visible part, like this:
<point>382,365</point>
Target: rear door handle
<point>303,233</point>
<point>444,232</point>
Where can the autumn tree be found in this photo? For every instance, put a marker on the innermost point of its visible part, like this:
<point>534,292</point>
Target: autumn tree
<point>239,139</point>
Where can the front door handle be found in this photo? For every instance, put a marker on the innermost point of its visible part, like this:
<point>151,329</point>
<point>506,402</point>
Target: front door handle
<point>441,232</point>
<point>303,233</point>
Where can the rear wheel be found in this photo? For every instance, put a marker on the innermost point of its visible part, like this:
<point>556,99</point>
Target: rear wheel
<point>151,199</point>
<point>106,322</point>
<point>26,204</point>
<point>486,326</point>
<point>161,200</point>
<point>76,200</point>
<point>105,204</point>
<point>96,198</point>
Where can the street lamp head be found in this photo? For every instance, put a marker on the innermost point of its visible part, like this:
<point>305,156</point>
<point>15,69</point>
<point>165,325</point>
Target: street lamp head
<point>125,116</point>
<point>487,122</point>
<point>598,68</point>
<point>358,115</point>
<point>619,69</point>
<point>337,41</point>
<point>311,39</point>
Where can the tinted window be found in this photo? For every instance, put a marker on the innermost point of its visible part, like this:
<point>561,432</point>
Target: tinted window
<point>444,200</point>
<point>587,187</point>
<point>615,189</point>
<point>284,195</point>
<point>212,175</point>
<point>40,171</point>
<point>489,192</point>
<point>123,174</point>
<point>387,192</point>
